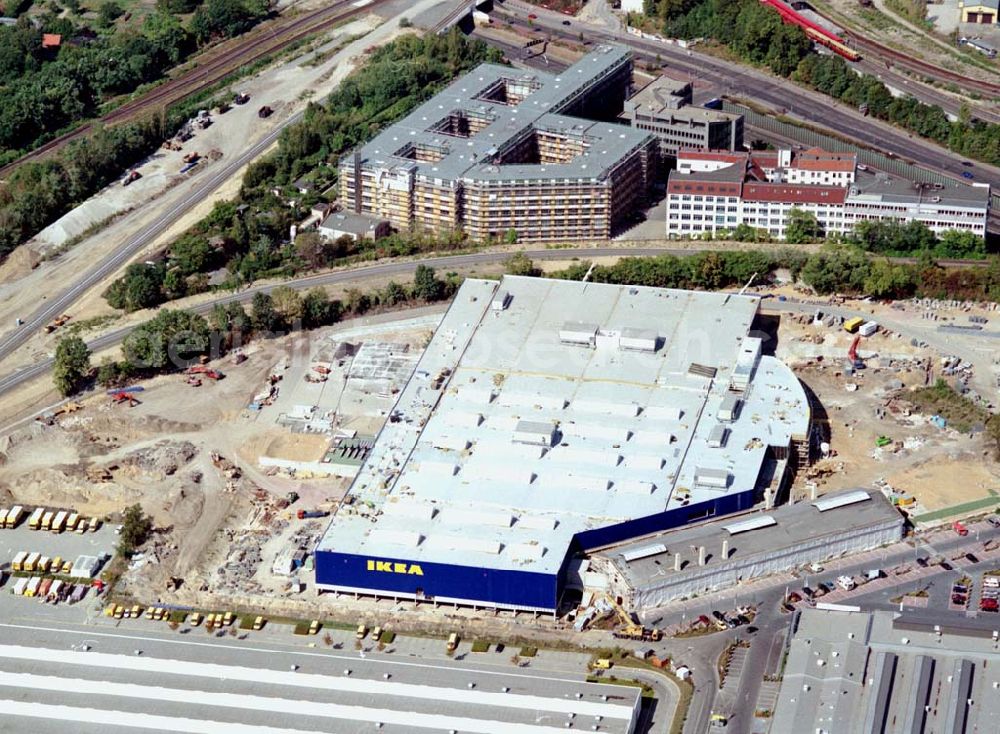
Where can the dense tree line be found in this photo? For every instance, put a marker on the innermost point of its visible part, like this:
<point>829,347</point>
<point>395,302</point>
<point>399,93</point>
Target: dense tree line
<point>756,34</point>
<point>837,268</point>
<point>173,339</point>
<point>45,91</point>
<point>249,236</point>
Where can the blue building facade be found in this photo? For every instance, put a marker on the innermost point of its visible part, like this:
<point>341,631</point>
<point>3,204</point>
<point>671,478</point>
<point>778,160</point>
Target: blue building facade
<point>504,588</point>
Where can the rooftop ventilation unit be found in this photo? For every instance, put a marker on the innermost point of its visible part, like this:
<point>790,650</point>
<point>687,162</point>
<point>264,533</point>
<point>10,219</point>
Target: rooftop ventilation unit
<point>715,478</point>
<point>579,333</point>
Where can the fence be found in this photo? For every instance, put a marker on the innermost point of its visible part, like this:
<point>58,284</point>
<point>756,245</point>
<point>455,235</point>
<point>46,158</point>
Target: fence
<point>866,156</point>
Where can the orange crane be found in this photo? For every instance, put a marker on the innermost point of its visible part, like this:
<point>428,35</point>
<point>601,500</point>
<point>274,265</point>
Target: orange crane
<point>852,354</point>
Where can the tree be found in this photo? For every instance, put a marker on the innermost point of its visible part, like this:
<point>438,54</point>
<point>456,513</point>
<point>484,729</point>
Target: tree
<point>426,285</point>
<point>170,339</point>
<point>393,294</point>
<point>71,366</point>
<point>521,264</point>
<point>886,280</point>
<point>314,250</point>
<point>802,227</point>
<point>287,303</point>
<point>140,287</point>
<point>263,316</point>
<point>318,310</point>
<point>136,526</point>
<point>837,268</point>
<point>108,13</point>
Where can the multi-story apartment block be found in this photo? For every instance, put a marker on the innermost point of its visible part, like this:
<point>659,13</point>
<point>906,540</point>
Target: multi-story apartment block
<point>663,107</point>
<point>713,192</point>
<point>502,150</point>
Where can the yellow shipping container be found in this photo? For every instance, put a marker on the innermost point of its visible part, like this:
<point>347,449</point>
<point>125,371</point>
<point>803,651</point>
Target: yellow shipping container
<point>852,325</point>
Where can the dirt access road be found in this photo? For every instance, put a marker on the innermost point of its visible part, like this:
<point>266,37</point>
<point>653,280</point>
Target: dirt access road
<point>168,203</point>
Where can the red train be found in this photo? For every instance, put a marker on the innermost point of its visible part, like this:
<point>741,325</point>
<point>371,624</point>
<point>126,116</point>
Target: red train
<point>816,33</point>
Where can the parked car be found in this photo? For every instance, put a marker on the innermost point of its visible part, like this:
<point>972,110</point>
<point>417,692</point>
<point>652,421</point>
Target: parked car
<point>565,22</point>
<point>922,562</point>
<point>971,558</point>
<point>945,566</point>
<point>994,521</point>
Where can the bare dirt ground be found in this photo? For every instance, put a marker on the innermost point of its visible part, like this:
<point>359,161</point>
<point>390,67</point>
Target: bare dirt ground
<point>938,468</point>
<point>189,456</point>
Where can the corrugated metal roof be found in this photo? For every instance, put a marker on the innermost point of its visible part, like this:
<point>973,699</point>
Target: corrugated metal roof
<point>751,523</point>
<point>645,551</point>
<point>841,499</point>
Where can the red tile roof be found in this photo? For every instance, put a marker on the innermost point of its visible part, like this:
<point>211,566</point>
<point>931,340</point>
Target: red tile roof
<point>51,40</point>
<point>792,194</point>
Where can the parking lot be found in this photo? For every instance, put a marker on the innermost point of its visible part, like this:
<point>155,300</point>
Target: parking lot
<point>67,546</point>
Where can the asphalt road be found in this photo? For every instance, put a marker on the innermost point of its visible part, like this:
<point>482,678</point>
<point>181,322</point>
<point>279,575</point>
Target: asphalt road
<point>740,81</point>
<point>62,301</point>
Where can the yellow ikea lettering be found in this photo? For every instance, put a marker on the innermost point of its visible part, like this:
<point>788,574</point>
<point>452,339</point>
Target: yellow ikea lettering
<point>410,569</point>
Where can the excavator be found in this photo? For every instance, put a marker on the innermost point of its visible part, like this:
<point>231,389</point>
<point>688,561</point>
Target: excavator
<point>48,418</point>
<point>205,372</point>
<point>630,628</point>
<point>124,397</point>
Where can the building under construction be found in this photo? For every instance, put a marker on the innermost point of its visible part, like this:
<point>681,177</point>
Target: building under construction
<point>502,149</point>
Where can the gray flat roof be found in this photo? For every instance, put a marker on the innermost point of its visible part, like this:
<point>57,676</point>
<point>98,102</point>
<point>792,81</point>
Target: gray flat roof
<point>471,158</point>
<point>445,482</point>
<point>793,525</point>
<point>346,221</point>
<point>224,689</point>
<point>894,190</point>
<point>659,99</point>
<point>825,686</point>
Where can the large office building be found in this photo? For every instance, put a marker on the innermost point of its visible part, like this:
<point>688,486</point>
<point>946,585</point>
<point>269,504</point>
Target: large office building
<point>501,149</point>
<point>548,418</point>
<point>715,191</point>
<point>889,672</point>
<point>663,107</point>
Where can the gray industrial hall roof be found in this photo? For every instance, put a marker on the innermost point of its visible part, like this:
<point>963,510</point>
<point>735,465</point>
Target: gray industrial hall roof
<point>830,682</point>
<point>472,158</point>
<point>792,525</point>
<point>447,482</point>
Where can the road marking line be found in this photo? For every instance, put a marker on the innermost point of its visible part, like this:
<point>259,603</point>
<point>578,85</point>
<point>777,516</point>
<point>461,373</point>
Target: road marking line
<point>248,702</point>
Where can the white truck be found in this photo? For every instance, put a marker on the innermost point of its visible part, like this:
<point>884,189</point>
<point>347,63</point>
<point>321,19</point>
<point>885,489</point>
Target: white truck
<point>846,583</point>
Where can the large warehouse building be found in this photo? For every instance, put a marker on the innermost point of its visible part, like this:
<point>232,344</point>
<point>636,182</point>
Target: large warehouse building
<point>549,417</point>
<point>659,569</point>
<point>888,672</point>
<point>501,149</point>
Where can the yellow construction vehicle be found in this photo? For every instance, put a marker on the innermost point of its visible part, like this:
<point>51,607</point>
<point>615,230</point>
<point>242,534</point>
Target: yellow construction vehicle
<point>630,627</point>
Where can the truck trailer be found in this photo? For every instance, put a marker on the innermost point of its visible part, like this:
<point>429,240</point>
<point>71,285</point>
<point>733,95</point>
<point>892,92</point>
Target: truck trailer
<point>59,521</point>
<point>35,521</point>
<point>47,520</point>
<point>14,516</point>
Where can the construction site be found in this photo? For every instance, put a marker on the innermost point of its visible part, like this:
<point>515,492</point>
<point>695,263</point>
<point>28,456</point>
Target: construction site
<point>243,461</point>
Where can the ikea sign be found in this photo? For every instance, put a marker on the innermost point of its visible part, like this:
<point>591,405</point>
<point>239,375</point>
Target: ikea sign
<point>409,569</point>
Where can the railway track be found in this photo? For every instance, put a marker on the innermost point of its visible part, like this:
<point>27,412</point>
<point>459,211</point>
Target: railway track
<point>224,60</point>
<point>873,49</point>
